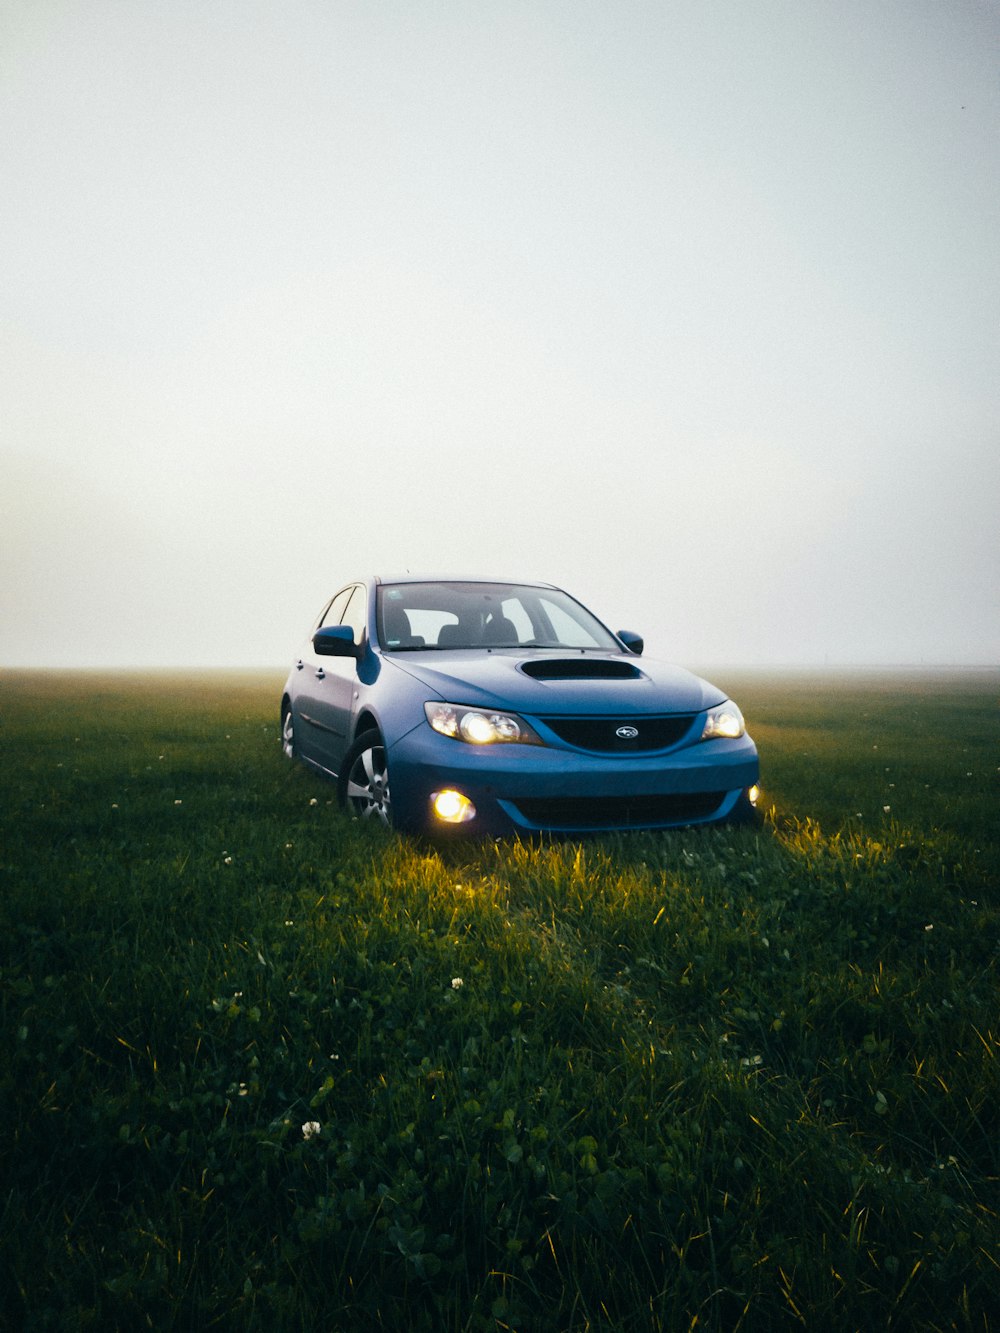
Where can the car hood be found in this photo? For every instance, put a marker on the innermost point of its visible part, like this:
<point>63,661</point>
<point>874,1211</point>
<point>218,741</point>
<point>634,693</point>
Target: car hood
<point>565,683</point>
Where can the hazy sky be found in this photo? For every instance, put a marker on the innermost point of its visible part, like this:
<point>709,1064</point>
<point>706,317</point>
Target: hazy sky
<point>692,308</point>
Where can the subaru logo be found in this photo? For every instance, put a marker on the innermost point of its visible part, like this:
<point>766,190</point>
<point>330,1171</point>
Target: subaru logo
<point>627,733</point>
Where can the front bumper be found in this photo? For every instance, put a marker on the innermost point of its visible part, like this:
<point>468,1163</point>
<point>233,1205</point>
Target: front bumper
<point>533,789</point>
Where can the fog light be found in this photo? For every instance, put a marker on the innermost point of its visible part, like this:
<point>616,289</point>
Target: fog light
<point>753,794</point>
<point>452,807</point>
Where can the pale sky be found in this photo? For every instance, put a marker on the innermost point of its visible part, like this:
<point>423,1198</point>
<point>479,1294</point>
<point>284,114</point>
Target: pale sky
<point>691,308</point>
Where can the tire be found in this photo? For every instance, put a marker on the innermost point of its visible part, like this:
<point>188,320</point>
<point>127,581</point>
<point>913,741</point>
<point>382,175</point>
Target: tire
<point>288,745</point>
<point>363,784</point>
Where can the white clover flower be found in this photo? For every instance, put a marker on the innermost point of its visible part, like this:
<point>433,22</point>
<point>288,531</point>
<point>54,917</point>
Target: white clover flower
<point>310,1129</point>
<point>227,860</point>
<point>178,802</point>
<point>313,800</point>
<point>457,983</point>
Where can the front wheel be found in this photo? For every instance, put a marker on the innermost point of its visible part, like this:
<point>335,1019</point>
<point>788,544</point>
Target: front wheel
<point>363,784</point>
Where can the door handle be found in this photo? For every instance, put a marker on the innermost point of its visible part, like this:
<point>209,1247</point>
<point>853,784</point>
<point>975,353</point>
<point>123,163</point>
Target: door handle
<point>299,664</point>
<point>320,674</point>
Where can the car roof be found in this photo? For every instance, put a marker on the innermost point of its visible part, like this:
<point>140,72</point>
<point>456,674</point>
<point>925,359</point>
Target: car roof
<point>458,578</point>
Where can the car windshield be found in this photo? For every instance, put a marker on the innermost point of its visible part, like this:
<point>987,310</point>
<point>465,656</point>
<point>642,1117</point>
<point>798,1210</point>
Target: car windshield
<point>421,616</point>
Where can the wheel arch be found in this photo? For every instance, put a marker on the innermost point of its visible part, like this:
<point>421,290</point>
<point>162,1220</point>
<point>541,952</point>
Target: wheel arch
<point>367,721</point>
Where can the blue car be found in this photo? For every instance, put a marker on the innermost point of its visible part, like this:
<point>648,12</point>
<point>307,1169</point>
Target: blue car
<point>488,708</point>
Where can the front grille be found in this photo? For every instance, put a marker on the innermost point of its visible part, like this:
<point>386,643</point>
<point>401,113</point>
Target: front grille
<point>583,812</point>
<point>601,733</point>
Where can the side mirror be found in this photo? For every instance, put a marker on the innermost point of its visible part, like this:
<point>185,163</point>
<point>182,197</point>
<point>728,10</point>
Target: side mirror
<point>335,641</point>
<point>632,641</point>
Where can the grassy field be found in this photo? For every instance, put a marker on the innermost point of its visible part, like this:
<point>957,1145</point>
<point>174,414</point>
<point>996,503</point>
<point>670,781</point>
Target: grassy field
<point>264,1068</point>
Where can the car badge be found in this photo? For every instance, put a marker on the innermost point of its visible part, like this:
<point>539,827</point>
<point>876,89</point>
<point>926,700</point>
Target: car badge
<point>627,733</point>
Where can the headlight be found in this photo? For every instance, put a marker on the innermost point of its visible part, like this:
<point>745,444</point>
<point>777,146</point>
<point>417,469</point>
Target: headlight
<point>479,726</point>
<point>726,721</point>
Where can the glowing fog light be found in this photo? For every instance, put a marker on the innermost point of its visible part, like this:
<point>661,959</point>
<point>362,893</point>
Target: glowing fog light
<point>753,794</point>
<point>452,807</point>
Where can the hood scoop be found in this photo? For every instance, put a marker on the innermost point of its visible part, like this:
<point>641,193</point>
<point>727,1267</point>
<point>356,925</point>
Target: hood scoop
<point>580,668</point>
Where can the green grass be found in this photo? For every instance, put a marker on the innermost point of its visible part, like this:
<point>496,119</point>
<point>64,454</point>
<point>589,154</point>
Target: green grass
<point>710,1080</point>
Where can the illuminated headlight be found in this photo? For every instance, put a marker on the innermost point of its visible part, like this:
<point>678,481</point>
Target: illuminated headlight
<point>725,721</point>
<point>479,726</point>
<point>451,807</point>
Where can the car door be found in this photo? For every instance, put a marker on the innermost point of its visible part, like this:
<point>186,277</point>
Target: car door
<point>312,694</point>
<point>333,683</point>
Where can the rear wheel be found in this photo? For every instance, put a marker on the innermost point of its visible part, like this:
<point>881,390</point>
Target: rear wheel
<point>288,733</point>
<point>363,784</point>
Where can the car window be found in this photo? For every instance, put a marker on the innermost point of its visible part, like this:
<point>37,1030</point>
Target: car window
<point>333,613</point>
<point>429,624</point>
<point>450,615</point>
<point>356,614</point>
<point>514,611</point>
<point>567,629</point>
